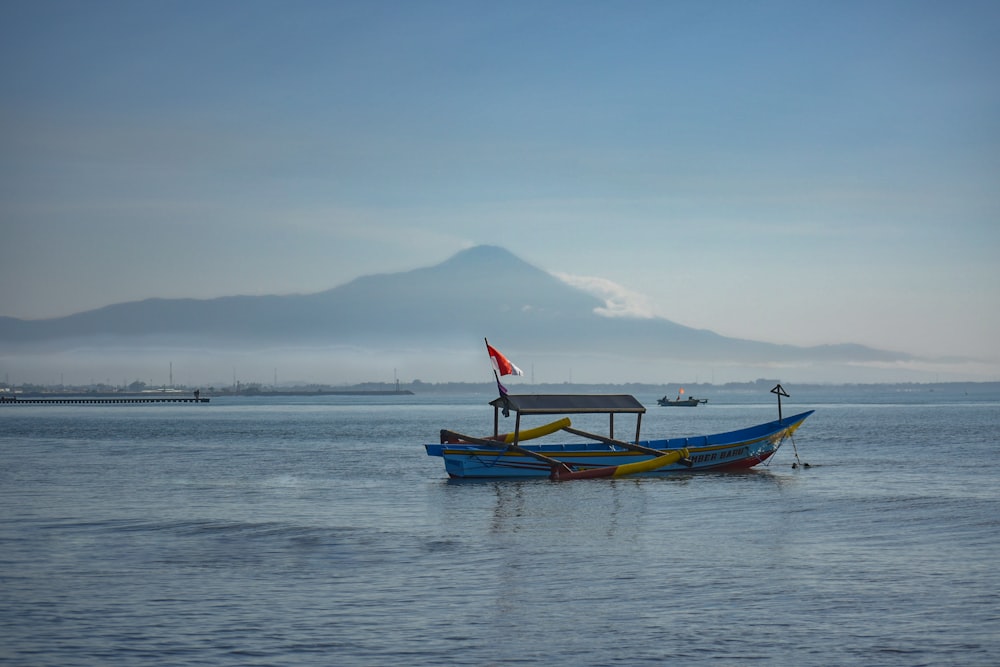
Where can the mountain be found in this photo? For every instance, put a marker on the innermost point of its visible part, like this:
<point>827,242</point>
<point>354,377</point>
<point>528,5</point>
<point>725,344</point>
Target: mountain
<point>484,290</point>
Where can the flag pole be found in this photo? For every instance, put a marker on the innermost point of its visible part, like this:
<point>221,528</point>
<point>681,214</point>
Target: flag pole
<point>501,390</point>
<point>495,374</point>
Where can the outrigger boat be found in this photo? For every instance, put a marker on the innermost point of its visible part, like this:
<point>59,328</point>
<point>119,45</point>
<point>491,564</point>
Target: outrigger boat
<point>504,455</point>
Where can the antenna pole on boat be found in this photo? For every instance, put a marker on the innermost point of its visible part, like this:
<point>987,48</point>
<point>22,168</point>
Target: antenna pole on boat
<point>779,391</point>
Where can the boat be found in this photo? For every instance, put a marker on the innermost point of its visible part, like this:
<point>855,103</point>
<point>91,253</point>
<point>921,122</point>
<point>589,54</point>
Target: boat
<point>682,402</point>
<point>506,455</point>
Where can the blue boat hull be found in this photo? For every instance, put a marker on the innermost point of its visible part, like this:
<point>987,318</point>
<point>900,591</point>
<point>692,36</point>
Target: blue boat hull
<point>733,450</point>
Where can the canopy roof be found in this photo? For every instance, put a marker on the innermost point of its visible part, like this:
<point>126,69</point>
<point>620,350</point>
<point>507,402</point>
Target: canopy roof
<point>561,404</point>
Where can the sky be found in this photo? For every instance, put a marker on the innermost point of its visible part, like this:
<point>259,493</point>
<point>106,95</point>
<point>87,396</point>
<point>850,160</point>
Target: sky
<point>794,172</point>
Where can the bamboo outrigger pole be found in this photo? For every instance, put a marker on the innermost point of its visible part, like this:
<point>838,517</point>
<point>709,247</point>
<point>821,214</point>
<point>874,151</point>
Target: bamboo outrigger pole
<point>635,447</point>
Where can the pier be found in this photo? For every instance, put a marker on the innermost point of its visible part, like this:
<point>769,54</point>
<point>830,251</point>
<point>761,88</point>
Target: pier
<point>65,400</point>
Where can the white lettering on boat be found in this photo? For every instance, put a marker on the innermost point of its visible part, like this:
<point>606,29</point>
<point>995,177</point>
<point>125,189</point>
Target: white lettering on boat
<point>718,456</point>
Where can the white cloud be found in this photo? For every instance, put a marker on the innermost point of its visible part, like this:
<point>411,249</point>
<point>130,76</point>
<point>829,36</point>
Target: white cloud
<point>618,301</point>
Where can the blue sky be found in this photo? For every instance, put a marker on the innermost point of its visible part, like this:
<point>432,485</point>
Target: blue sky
<point>795,172</point>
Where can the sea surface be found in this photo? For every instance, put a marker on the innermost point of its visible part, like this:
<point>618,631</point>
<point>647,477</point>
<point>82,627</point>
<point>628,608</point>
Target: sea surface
<point>315,531</point>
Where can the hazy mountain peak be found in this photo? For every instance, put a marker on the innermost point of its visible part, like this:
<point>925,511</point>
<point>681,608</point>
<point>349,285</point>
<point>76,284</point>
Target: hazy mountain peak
<point>485,257</point>
<point>482,290</point>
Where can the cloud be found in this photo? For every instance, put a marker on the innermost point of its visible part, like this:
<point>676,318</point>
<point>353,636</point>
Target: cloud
<point>618,301</point>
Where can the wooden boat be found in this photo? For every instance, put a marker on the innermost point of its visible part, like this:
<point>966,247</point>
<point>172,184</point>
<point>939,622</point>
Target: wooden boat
<point>504,455</point>
<point>682,402</point>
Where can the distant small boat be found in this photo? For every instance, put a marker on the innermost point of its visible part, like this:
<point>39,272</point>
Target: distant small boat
<point>682,402</point>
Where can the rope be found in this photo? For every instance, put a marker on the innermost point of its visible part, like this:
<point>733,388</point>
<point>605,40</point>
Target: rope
<point>798,461</point>
<point>492,463</point>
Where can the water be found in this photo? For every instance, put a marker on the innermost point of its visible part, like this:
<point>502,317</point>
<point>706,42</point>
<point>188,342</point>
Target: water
<point>315,531</point>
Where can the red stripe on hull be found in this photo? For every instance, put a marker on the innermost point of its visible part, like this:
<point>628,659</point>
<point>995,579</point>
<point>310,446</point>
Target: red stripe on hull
<point>742,464</point>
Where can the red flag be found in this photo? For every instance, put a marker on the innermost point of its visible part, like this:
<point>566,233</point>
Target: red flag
<point>502,364</point>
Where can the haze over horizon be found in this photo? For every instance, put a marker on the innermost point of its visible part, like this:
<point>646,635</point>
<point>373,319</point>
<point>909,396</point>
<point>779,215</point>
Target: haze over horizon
<point>797,173</point>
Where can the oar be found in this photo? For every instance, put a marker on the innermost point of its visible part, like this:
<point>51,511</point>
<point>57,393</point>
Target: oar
<point>634,446</point>
<point>662,459</point>
<point>648,465</point>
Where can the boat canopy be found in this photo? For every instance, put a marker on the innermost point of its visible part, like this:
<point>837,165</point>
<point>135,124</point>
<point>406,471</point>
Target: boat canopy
<point>563,404</point>
<point>567,404</point>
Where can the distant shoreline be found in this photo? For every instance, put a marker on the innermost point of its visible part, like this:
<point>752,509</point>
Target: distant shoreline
<point>428,388</point>
<point>183,394</point>
<point>332,392</point>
